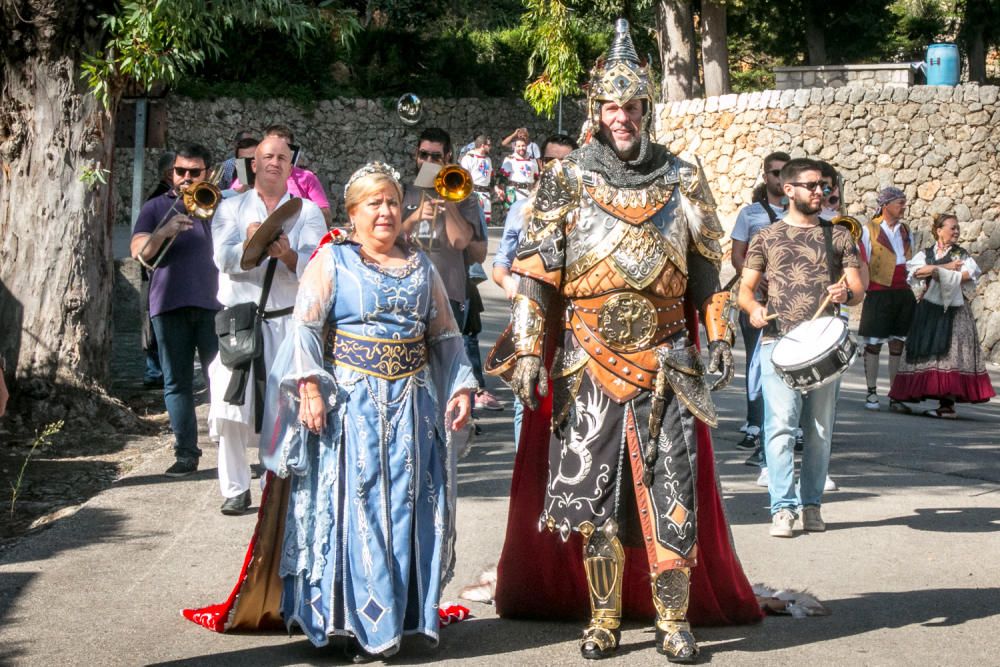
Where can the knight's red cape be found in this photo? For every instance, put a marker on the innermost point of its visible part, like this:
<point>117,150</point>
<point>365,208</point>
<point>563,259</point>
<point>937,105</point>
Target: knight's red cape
<point>540,576</point>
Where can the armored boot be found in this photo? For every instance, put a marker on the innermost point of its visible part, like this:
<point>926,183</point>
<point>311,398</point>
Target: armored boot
<point>673,632</point>
<point>604,562</point>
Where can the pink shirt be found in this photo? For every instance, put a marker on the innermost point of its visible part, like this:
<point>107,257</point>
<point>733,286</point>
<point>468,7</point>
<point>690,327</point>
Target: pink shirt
<point>301,183</point>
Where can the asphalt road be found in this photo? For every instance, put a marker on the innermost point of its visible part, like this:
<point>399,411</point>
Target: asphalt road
<point>907,566</point>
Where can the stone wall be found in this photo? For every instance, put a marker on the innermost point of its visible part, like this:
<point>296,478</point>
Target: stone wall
<point>835,76</point>
<point>338,136</point>
<point>939,144</point>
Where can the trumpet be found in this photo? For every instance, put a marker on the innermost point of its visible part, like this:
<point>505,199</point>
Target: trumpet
<point>200,201</point>
<point>852,225</point>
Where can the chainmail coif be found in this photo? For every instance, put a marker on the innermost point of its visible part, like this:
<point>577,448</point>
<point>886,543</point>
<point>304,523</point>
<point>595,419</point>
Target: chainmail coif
<point>652,162</point>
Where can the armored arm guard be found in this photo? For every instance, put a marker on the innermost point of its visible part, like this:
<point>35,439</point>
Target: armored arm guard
<point>541,255</point>
<point>705,254</point>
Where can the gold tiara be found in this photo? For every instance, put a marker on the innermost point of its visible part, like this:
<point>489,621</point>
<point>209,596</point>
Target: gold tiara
<point>373,168</point>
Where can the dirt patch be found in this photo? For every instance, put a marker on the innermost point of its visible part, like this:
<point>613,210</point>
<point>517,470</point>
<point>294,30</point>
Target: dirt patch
<point>75,465</point>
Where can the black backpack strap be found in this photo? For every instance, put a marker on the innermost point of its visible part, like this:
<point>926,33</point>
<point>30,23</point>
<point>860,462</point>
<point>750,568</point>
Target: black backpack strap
<point>770,211</point>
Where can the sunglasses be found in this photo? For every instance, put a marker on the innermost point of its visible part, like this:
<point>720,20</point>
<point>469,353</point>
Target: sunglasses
<point>181,171</point>
<point>811,185</point>
<point>774,172</point>
<point>435,156</point>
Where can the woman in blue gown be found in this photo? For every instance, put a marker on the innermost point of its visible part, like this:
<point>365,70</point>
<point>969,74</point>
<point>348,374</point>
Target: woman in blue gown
<point>369,397</point>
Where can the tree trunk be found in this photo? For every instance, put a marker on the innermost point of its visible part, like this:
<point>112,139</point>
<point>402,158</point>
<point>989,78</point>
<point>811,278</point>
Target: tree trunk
<point>714,47</point>
<point>976,51</point>
<point>56,267</point>
<point>675,39</point>
<point>815,34</point>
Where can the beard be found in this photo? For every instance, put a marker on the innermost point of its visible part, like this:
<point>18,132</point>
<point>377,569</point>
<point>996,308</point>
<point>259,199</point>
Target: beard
<point>805,207</point>
<point>624,148</point>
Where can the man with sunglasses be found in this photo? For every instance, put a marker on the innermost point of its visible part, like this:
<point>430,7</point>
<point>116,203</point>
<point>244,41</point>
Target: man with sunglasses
<point>442,228</point>
<point>182,298</point>
<point>792,255</point>
<point>750,220</point>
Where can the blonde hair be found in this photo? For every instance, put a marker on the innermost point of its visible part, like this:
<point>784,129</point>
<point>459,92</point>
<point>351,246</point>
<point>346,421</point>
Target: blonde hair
<point>363,187</point>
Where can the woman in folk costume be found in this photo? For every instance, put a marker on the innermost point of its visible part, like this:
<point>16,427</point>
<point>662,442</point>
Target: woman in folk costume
<point>943,360</point>
<point>367,401</point>
<point>619,253</point>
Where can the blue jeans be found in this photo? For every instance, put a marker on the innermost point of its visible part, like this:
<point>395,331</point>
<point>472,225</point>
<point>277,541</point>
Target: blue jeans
<point>178,333</point>
<point>518,417</point>
<point>153,372</point>
<point>783,407</point>
<point>475,359</point>
<point>755,407</point>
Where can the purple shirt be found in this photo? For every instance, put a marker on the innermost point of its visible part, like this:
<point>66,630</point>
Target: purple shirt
<point>187,275</point>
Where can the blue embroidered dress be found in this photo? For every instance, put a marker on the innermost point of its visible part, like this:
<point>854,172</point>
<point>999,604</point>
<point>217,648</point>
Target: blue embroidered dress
<point>369,534</point>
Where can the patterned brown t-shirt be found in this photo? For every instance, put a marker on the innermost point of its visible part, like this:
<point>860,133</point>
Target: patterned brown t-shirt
<point>793,259</point>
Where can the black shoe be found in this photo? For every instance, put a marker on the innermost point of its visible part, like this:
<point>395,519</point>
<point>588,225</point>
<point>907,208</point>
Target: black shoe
<point>182,468</point>
<point>800,442</point>
<point>237,505</point>
<point>153,383</point>
<point>756,458</point>
<point>256,470</point>
<point>749,441</point>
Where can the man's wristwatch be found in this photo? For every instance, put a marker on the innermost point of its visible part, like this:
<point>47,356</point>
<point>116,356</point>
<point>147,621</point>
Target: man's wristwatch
<point>850,295</point>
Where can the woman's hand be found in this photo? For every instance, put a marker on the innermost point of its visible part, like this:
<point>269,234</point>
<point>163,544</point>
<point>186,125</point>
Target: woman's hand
<point>458,410</point>
<point>312,408</point>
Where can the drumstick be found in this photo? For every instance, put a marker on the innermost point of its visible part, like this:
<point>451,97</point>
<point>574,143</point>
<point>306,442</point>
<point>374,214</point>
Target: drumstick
<point>826,301</point>
<point>772,316</point>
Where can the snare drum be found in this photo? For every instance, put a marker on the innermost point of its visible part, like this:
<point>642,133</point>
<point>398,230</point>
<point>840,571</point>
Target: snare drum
<point>814,353</point>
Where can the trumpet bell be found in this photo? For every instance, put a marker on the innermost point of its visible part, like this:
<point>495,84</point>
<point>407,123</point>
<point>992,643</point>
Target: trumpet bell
<point>852,224</point>
<point>453,183</point>
<point>201,199</point>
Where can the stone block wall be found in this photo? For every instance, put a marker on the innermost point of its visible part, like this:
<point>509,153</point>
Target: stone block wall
<point>338,136</point>
<point>836,76</point>
<point>939,144</point>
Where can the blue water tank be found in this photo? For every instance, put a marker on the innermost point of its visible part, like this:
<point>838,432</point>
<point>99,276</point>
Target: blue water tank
<point>942,65</point>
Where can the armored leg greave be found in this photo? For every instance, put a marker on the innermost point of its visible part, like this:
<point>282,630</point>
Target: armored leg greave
<point>673,632</point>
<point>604,562</point>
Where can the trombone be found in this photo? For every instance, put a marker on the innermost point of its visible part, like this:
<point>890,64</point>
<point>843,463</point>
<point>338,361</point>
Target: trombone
<point>200,201</point>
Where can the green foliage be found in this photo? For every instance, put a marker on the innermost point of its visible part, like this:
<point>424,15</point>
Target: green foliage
<point>555,60</point>
<point>93,175</point>
<point>151,41</point>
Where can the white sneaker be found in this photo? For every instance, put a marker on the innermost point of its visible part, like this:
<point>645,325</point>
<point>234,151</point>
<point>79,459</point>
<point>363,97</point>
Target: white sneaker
<point>781,523</point>
<point>830,485</point>
<point>743,429</point>
<point>812,520</point>
<point>871,401</point>
<point>763,479</point>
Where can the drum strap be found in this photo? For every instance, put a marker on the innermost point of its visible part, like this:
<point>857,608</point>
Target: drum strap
<point>827,228</point>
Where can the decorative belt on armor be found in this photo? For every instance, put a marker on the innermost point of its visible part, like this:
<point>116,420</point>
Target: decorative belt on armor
<point>620,331</point>
<point>386,358</point>
<point>629,321</point>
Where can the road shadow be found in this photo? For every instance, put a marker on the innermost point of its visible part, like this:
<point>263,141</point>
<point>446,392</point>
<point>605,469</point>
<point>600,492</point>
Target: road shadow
<point>930,608</point>
<point>937,519</point>
<point>11,586</point>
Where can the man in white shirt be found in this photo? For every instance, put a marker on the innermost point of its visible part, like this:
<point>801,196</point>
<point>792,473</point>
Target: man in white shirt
<point>234,425</point>
<point>750,220</point>
<point>521,172</point>
<point>889,304</point>
<point>479,165</point>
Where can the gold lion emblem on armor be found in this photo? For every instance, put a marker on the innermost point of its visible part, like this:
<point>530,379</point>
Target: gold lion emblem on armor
<point>627,322</point>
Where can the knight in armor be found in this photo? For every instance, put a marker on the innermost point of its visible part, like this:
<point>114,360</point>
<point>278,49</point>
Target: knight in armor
<point>622,241</point>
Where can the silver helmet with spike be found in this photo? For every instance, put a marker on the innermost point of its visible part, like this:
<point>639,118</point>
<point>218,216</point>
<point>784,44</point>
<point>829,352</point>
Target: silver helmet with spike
<point>619,77</point>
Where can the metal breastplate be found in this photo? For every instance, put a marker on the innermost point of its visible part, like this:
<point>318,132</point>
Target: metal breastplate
<point>636,248</point>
